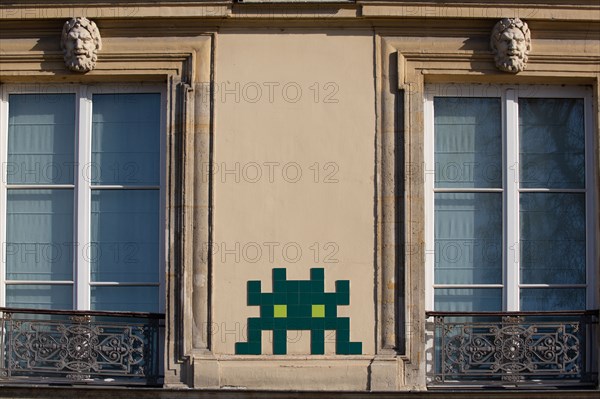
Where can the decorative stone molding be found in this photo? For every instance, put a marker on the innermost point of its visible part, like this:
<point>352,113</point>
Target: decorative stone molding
<point>511,44</point>
<point>80,43</point>
<point>451,61</point>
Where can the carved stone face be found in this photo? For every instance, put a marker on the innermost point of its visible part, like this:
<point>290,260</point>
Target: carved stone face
<point>80,43</point>
<point>511,42</point>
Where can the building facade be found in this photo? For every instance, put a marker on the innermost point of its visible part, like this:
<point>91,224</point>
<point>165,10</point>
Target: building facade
<point>300,195</point>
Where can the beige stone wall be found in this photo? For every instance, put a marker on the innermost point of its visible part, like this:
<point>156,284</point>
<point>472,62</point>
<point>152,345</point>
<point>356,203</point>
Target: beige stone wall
<point>293,173</point>
<point>289,162</point>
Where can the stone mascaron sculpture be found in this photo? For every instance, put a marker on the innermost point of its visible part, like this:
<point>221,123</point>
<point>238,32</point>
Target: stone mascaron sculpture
<point>80,43</point>
<point>511,44</point>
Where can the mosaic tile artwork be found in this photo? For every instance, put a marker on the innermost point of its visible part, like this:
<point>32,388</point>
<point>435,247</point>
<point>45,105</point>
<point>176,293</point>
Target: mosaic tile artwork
<point>299,305</point>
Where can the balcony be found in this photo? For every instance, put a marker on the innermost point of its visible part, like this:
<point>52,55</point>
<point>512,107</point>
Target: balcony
<point>512,349</point>
<point>80,347</point>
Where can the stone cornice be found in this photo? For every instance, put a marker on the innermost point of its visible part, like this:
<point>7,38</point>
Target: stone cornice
<point>37,9</point>
<point>557,10</point>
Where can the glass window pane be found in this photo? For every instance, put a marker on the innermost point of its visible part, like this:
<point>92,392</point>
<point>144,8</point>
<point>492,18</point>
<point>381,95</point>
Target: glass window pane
<point>552,238</point>
<point>468,142</point>
<point>126,139</point>
<point>39,235</point>
<point>123,298</point>
<point>540,299</point>
<point>41,132</point>
<point>468,238</point>
<point>124,234</point>
<point>39,296</point>
<point>468,299</point>
<point>552,142</point>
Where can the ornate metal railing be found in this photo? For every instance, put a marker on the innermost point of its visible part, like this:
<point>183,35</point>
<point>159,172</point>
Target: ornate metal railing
<point>513,348</point>
<point>51,346</point>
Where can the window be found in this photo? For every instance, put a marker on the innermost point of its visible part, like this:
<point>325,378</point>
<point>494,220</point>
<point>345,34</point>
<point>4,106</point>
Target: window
<point>80,198</point>
<point>509,207</point>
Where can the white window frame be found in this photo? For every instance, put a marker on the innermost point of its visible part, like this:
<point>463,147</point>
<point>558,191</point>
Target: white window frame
<point>509,95</point>
<point>82,187</point>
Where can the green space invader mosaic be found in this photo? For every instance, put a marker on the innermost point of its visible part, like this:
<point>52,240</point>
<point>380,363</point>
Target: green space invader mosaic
<point>299,305</point>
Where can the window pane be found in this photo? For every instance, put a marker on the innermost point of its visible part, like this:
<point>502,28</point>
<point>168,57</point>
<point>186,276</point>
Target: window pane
<point>552,238</point>
<point>39,235</point>
<point>126,139</point>
<point>468,238</point>
<point>132,299</point>
<point>468,299</point>
<point>41,131</point>
<point>124,234</point>
<point>552,142</point>
<point>540,299</point>
<point>39,296</point>
<point>468,142</point>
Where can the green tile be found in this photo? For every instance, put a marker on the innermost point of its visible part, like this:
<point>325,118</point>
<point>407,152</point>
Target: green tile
<point>317,342</point>
<point>279,297</point>
<point>317,297</point>
<point>317,334</point>
<point>318,286</point>
<point>255,348</point>
<point>267,323</point>
<point>305,311</point>
<point>330,323</point>
<point>342,292</point>
<point>317,274</point>
<point>241,348</point>
<point>341,348</point>
<point>298,305</point>
<point>355,348</point>
<point>293,298</point>
<point>279,342</point>
<point>253,323</point>
<point>280,323</point>
<point>343,323</point>
<point>254,298</point>
<point>266,299</point>
<point>317,323</point>
<point>253,286</point>
<point>254,335</point>
<point>330,311</point>
<point>342,286</point>
<point>280,286</point>
<point>244,348</point>
<point>305,298</point>
<point>317,348</point>
<point>298,323</point>
<point>255,340</point>
<point>318,311</point>
<point>266,311</point>
<point>342,335</point>
<point>304,286</point>
<point>279,311</point>
<point>292,286</point>
<point>279,274</point>
<point>343,299</point>
<point>330,299</point>
<point>293,310</point>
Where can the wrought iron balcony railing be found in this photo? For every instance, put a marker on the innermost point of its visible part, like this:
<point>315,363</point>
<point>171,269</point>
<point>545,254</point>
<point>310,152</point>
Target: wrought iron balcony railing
<point>54,346</point>
<point>513,348</point>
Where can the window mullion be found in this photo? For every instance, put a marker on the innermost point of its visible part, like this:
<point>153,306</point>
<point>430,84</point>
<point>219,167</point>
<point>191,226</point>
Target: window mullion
<point>83,196</point>
<point>3,158</point>
<point>592,223</point>
<point>511,211</point>
<point>429,149</point>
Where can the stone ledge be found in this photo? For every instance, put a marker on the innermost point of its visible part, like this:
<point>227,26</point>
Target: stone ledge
<point>149,393</point>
